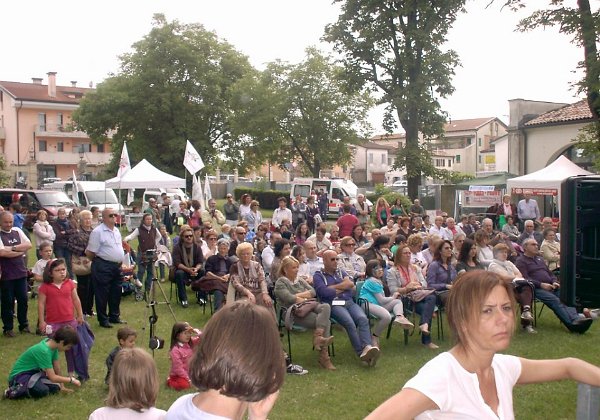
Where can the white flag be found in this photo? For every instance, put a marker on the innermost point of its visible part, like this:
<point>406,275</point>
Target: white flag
<point>197,191</point>
<point>207,193</point>
<point>75,190</point>
<point>192,160</point>
<point>130,196</point>
<point>124,163</point>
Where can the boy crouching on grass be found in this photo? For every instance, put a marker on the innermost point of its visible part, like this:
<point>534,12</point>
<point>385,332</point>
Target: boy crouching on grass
<point>36,373</point>
<point>126,337</point>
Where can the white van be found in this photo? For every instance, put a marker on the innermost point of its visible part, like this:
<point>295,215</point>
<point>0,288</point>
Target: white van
<point>89,194</point>
<point>336,190</point>
<point>156,192</point>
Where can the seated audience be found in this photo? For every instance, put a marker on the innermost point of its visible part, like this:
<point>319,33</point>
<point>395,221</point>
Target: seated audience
<point>349,260</point>
<point>187,262</point>
<point>467,258</point>
<point>534,269</point>
<point>441,273</point>
<point>485,253</point>
<point>551,249</point>
<point>216,274</point>
<point>248,278</point>
<point>380,305</point>
<point>508,272</point>
<point>332,285</point>
<point>289,290</point>
<point>510,229</point>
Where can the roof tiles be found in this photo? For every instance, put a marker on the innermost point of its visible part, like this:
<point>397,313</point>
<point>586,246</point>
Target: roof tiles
<point>573,112</point>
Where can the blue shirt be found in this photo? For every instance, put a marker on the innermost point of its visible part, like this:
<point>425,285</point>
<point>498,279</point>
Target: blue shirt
<point>106,243</point>
<point>370,288</point>
<point>322,281</point>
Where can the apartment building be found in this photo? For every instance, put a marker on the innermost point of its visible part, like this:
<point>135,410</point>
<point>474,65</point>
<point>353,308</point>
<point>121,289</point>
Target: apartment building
<point>37,137</point>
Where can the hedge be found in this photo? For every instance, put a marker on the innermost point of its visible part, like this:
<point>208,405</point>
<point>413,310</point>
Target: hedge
<point>266,198</point>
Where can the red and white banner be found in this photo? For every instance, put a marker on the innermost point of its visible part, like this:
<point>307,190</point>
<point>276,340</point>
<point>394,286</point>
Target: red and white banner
<point>535,191</point>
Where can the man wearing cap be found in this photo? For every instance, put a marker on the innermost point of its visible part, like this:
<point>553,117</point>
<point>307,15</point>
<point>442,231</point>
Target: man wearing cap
<point>105,249</point>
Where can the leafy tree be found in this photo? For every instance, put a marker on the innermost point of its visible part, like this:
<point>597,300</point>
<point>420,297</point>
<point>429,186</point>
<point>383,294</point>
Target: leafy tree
<point>174,86</point>
<point>582,23</point>
<point>394,47</point>
<point>300,113</point>
<point>4,177</point>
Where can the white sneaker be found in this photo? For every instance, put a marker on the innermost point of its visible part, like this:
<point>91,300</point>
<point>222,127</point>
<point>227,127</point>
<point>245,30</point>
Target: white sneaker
<point>527,316</point>
<point>296,370</point>
<point>529,329</point>
<point>368,353</point>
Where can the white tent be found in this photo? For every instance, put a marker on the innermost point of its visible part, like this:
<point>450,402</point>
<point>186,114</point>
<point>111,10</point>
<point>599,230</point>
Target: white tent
<point>548,178</point>
<point>144,175</point>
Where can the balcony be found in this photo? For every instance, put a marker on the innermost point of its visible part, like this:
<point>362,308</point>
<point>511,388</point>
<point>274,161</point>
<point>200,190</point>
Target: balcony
<point>72,158</point>
<point>58,130</point>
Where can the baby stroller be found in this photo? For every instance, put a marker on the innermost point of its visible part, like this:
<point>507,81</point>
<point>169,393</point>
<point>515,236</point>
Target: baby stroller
<point>130,284</point>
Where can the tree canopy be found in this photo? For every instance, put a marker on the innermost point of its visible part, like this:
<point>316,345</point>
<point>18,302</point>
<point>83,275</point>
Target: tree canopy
<point>582,23</point>
<point>174,86</point>
<point>395,48</point>
<point>301,113</point>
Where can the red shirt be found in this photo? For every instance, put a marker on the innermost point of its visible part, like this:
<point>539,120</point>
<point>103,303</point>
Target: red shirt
<point>346,223</point>
<point>59,303</point>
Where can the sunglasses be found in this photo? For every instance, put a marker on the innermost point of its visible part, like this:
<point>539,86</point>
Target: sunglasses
<point>188,236</point>
<point>113,215</point>
<point>212,239</point>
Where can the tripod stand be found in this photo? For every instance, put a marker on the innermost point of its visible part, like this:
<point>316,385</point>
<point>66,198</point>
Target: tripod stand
<point>155,343</point>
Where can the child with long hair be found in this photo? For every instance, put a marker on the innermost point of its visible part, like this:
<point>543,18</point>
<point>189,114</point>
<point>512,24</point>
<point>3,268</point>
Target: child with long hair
<point>132,389</point>
<point>183,340</point>
<point>56,303</point>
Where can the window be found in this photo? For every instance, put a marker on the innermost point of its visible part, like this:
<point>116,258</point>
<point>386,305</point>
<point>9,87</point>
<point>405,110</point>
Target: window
<point>42,146</point>
<point>449,163</point>
<point>59,120</point>
<point>390,160</point>
<point>479,159</point>
<point>101,148</point>
<point>479,141</point>
<point>383,159</point>
<point>440,163</point>
<point>82,148</point>
<point>370,157</point>
<point>1,101</point>
<point>457,158</point>
<point>42,121</point>
<point>60,146</point>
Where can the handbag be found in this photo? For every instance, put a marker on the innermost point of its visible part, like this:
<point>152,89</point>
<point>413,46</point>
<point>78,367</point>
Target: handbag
<point>318,219</point>
<point>299,310</point>
<point>81,266</point>
<point>419,294</point>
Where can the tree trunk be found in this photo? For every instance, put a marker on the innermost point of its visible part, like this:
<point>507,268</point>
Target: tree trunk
<point>592,68</point>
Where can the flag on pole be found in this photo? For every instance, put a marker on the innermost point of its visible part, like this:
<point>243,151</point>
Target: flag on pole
<point>124,164</point>
<point>191,159</point>
<point>124,167</point>
<point>207,193</point>
<point>75,189</point>
<point>197,191</point>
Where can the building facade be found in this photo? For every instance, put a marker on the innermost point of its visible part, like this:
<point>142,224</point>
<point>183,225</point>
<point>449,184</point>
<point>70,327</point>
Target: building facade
<point>37,137</point>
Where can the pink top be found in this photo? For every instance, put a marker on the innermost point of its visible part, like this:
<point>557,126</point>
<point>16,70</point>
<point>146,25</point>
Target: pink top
<point>180,355</point>
<point>59,301</point>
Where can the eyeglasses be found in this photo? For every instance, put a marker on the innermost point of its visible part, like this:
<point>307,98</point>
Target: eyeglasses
<point>188,236</point>
<point>350,244</point>
<point>212,239</point>
<point>240,233</point>
<point>113,215</point>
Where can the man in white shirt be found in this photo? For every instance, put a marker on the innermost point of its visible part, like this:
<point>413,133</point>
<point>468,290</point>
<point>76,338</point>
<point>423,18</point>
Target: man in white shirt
<point>438,229</point>
<point>281,213</point>
<point>528,209</point>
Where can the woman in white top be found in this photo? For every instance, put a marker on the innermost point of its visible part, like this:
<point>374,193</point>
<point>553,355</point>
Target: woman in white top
<point>472,380</point>
<point>238,367</point>
<point>485,253</point>
<point>132,389</point>
<point>42,231</point>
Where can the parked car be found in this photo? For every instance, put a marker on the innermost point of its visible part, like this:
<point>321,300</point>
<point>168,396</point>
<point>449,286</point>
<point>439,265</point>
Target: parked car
<point>32,201</point>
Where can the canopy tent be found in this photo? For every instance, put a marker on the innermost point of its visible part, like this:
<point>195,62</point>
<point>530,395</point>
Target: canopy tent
<point>145,175</point>
<point>547,180</point>
<point>498,181</point>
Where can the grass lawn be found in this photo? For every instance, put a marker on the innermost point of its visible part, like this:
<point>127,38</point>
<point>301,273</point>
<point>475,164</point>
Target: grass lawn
<point>348,393</point>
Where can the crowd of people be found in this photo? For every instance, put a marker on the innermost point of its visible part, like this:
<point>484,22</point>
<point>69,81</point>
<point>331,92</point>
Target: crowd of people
<point>387,263</point>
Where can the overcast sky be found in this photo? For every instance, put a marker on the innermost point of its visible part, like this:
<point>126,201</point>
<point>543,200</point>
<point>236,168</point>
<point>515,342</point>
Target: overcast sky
<point>81,40</point>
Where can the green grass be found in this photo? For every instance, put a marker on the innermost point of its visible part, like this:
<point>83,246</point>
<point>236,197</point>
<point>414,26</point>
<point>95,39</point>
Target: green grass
<point>349,393</point>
